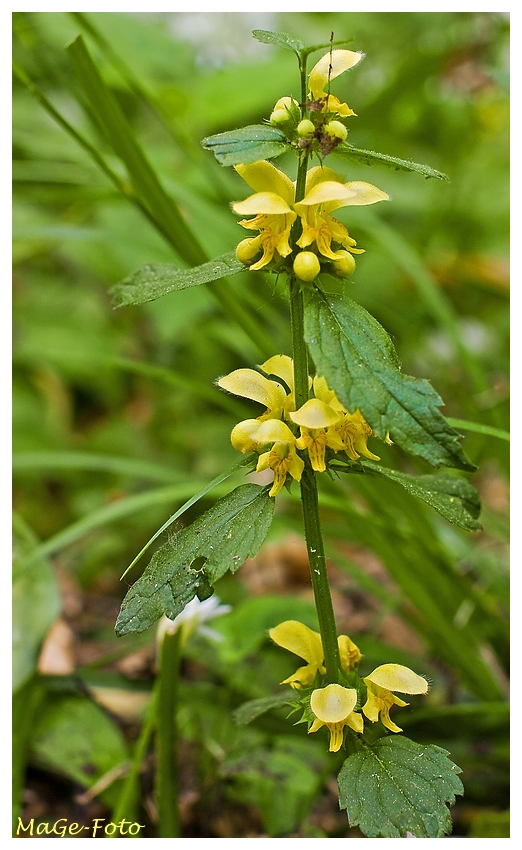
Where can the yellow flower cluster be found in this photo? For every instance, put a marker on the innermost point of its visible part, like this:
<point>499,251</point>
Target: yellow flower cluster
<point>323,421</point>
<point>323,239</point>
<point>274,209</point>
<point>335,706</point>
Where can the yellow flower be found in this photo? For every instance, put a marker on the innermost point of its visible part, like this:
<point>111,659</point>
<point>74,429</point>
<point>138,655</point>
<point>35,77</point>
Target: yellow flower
<point>381,683</point>
<point>313,418</point>
<point>307,644</point>
<point>325,192</point>
<point>349,652</point>
<point>354,431</point>
<point>329,67</point>
<point>282,457</point>
<point>282,367</point>
<point>347,431</point>
<point>333,707</point>
<point>271,206</point>
<point>248,383</point>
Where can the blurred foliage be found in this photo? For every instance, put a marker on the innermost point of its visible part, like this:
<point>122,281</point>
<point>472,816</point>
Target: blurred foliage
<point>110,407</point>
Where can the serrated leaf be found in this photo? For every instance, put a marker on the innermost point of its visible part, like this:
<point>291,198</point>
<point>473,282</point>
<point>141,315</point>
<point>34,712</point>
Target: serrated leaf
<point>453,498</point>
<point>281,39</point>
<point>247,144</point>
<point>226,535</point>
<point>357,358</point>
<point>398,786</point>
<point>158,279</point>
<point>363,157</point>
<point>254,708</point>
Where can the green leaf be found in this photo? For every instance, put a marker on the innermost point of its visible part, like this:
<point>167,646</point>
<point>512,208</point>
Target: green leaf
<point>246,145</point>
<point>454,498</point>
<point>76,738</point>
<point>226,535</point>
<point>363,157</point>
<point>398,786</point>
<point>281,39</point>
<point>254,708</point>
<point>358,360</point>
<point>245,460</point>
<point>158,279</point>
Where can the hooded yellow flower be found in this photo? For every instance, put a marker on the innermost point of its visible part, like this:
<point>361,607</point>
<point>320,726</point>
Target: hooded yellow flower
<point>313,418</point>
<point>307,644</point>
<point>325,422</point>
<point>282,457</point>
<point>333,707</point>
<point>304,642</point>
<point>282,367</point>
<point>326,192</point>
<point>381,683</point>
<point>330,66</point>
<point>271,206</point>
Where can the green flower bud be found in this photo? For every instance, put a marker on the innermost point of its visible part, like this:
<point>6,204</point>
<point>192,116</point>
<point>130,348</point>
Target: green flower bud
<point>306,266</point>
<point>345,265</point>
<point>336,130</point>
<point>305,129</point>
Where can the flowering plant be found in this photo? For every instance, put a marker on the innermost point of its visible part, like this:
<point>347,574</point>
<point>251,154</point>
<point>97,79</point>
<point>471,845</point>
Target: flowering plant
<point>341,387</point>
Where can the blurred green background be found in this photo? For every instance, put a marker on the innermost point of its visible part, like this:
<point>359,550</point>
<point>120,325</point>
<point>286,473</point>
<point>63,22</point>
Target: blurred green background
<point>117,422</point>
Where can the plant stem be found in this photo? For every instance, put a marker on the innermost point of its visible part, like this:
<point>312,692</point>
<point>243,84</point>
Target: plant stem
<point>166,737</point>
<point>312,523</point>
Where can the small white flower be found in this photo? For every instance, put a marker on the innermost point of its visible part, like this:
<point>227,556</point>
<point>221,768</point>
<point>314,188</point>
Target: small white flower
<point>192,618</point>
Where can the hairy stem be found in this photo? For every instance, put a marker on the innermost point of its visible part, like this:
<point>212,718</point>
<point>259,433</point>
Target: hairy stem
<point>312,523</point>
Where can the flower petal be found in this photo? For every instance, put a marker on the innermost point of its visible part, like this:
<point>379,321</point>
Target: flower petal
<point>321,174</point>
<point>395,677</point>
<point>273,431</point>
<point>262,176</point>
<point>349,652</point>
<point>362,194</point>
<point>250,384</point>
<point>299,639</point>
<point>330,65</point>
<point>333,703</point>
<point>296,467</point>
<point>315,414</point>
<point>266,203</point>
<point>241,436</point>
<point>328,191</point>
<point>281,365</point>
